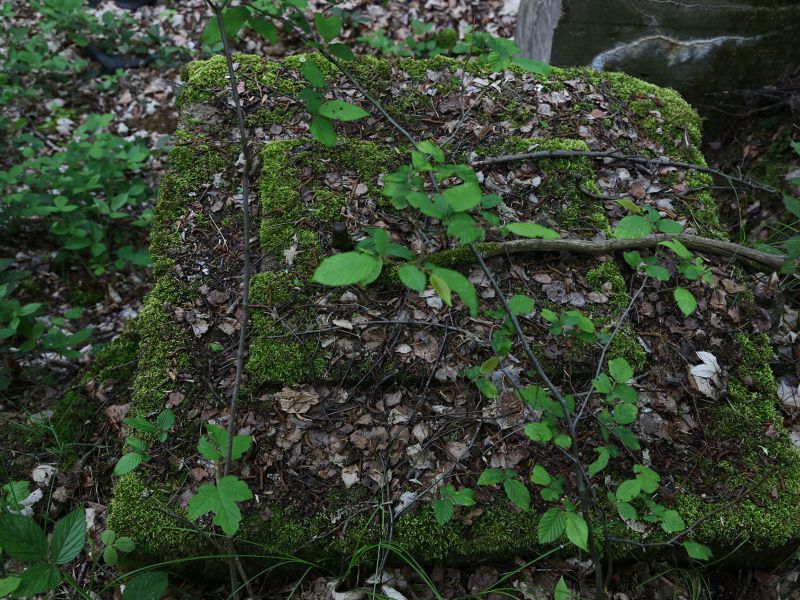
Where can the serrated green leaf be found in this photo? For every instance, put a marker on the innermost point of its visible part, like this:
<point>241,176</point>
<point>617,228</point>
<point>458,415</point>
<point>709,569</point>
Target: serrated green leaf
<point>348,268</point>
<point>518,493</point>
<point>69,536</point>
<point>322,131</point>
<point>696,550</point>
<point>37,579</point>
<point>632,227</point>
<point>459,284</point>
<point>108,537</point>
<point>539,432</point>
<point>341,51</point>
<point>627,511</point>
<point>562,591</point>
<point>8,585</point>
<point>141,424</point>
<point>463,197</point>
<point>577,530</point>
<point>221,500</point>
<point>313,75</point>
<point>620,370</point>
<point>562,440</point>
<point>443,510</point>
<point>600,463</point>
<point>532,230</point>
<point>441,288</point>
<point>465,228</point>
<point>339,110</point>
<point>672,522</point>
<point>125,544</point>
<point>491,477</point>
<point>625,413</point>
<point>629,205</point>
<point>328,27</point>
<point>127,463</point>
<point>14,493</point>
<point>657,272</point>
<point>165,420</point>
<point>603,384</point>
<point>464,497</point>
<point>551,526</point>
<point>150,585</point>
<point>412,277</point>
<point>627,437</point>
<point>264,28</point>
<point>628,490</point>
<point>532,66</point>
<point>540,476</point>
<point>686,301</point>
<point>110,556</point>
<point>22,539</point>
<point>521,305</point>
<point>669,226</point>
<point>678,248</point>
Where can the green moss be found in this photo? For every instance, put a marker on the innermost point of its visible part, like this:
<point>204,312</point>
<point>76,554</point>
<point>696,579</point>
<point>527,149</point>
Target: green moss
<point>190,166</point>
<point>627,346</point>
<point>207,78</point>
<point>132,513</point>
<point>607,278</point>
<point>162,347</point>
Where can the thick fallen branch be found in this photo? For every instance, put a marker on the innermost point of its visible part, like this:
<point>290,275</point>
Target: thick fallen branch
<point>694,242</point>
<point>639,160</point>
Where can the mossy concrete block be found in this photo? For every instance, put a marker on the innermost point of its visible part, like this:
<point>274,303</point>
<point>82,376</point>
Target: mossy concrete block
<point>366,379</point>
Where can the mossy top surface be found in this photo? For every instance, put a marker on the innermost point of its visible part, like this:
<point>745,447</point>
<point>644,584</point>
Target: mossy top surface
<point>354,394</point>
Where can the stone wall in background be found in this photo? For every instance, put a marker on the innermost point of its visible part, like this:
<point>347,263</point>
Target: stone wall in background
<point>695,46</point>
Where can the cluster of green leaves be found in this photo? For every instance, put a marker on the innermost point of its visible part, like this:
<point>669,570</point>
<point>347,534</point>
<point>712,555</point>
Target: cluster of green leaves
<point>450,497</point>
<point>137,453</point>
<point>79,193</point>
<point>23,540</point>
<point>222,497</point>
<point>23,327</point>
<point>645,221</point>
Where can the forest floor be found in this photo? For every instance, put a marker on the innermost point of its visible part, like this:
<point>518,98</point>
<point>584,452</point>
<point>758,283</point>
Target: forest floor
<point>755,141</point>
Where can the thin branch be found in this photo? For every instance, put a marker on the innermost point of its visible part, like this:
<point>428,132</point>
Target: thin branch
<point>599,247</point>
<point>613,154</point>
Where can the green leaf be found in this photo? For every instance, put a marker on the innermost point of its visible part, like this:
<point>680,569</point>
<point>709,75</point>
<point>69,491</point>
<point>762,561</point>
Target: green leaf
<point>108,537</point>
<point>348,268</point>
<point>696,550</point>
<point>602,384</point>
<point>463,197</point>
<point>125,544</point>
<point>328,27</point>
<point>459,284</point>
<point>233,20</point>
<point>37,579</point>
<point>539,432</point>
<point>532,230</point>
<point>532,66</point>
<point>441,288</point>
<point>629,205</point>
<point>678,248</point>
<point>214,445</point>
<point>632,227</point>
<point>627,511</point>
<point>339,110</point>
<point>127,463</point>
<point>518,493</point>
<point>620,370</point>
<point>685,300</point>
<point>221,500</point>
<point>562,440</point>
<point>141,424</point>
<point>431,150</point>
<point>465,228</point>
<point>491,477</point>
<point>625,413</point>
<point>657,272</point>
<point>562,591</point>
<point>628,490</point>
<point>443,510</point>
<point>464,497</point>
<point>577,530</point>
<point>22,539</point>
<point>521,305</point>
<point>110,556</point>
<point>313,75</point>
<point>627,437</point>
<point>341,51</point>
<point>150,585</point>
<point>672,522</point>
<point>551,526</point>
<point>601,462</point>
<point>412,277</point>
<point>486,387</point>
<point>68,537</point>
<point>322,131</point>
<point>8,585</point>
<point>264,28</point>
<point>14,493</point>
<point>792,205</point>
<point>165,420</point>
<point>669,226</point>
<point>648,478</point>
<point>540,476</point>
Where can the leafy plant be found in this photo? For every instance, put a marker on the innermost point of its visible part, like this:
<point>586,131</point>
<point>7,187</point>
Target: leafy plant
<point>450,497</point>
<point>114,546</point>
<point>158,429</point>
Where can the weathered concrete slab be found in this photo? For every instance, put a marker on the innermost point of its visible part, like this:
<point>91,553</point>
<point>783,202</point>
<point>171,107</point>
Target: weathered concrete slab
<point>354,396</point>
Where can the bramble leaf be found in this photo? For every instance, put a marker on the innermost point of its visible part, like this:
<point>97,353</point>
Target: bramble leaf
<point>69,536</point>
<point>348,268</point>
<point>221,500</point>
<point>551,525</point>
